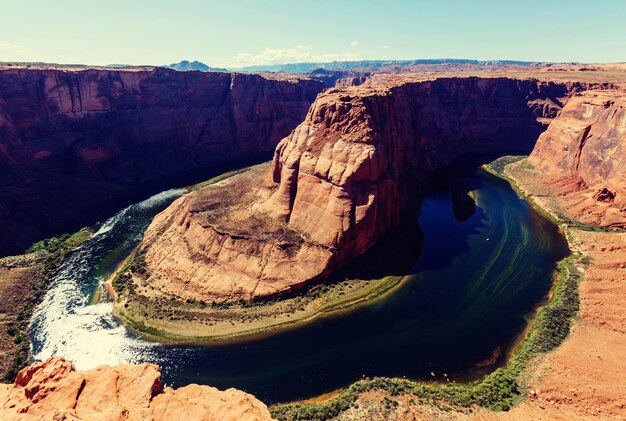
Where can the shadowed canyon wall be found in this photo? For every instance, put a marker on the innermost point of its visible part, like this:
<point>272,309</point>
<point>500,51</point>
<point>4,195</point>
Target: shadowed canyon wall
<point>77,145</point>
<point>352,171</point>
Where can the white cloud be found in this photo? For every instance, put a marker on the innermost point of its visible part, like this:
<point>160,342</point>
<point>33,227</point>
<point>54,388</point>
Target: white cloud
<point>7,47</point>
<point>354,43</point>
<point>386,47</point>
<point>13,47</point>
<point>298,54</point>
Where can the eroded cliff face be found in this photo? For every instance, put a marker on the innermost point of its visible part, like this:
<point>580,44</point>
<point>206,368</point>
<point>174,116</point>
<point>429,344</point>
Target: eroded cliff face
<point>583,154</point>
<point>215,245</point>
<point>77,145</point>
<point>53,389</point>
<point>360,162</point>
<point>352,171</point>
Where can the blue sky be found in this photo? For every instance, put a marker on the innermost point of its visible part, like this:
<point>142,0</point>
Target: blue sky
<point>232,33</point>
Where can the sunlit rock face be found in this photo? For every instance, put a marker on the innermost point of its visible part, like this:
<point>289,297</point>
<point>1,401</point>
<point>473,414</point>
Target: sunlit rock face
<point>353,170</point>
<point>78,145</point>
<point>583,152</point>
<point>54,390</point>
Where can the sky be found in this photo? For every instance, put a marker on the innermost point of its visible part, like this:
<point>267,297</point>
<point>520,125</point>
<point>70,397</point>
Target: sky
<point>235,33</point>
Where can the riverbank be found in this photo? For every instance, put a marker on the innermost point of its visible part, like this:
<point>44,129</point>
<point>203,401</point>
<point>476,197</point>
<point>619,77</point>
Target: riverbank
<point>585,376</point>
<point>152,315</point>
<point>500,391</point>
<point>18,275</point>
<point>23,281</point>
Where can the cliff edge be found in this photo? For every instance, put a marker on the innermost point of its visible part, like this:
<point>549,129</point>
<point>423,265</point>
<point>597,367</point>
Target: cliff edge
<point>583,155</point>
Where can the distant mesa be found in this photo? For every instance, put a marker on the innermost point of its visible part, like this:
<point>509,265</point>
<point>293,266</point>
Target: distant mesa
<point>332,78</point>
<point>186,65</point>
<point>373,64</point>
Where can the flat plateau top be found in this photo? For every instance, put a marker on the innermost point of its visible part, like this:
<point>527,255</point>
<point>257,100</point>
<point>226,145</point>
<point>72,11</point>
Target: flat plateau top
<point>609,72</point>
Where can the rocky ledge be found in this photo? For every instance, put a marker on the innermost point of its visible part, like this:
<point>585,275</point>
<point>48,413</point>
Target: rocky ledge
<point>356,168</point>
<point>583,154</point>
<point>54,390</point>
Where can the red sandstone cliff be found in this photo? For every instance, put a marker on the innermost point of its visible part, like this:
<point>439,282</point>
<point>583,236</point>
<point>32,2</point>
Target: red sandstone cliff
<point>77,145</point>
<point>583,153</point>
<point>54,390</point>
<point>352,171</point>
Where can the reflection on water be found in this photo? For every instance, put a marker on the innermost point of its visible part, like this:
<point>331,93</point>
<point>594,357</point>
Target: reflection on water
<point>472,286</point>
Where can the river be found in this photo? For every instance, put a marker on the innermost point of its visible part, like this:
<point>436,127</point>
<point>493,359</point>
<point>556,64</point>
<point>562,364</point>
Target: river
<point>474,281</point>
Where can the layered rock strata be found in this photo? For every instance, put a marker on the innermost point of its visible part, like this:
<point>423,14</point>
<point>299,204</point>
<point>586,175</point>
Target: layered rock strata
<point>77,145</point>
<point>54,390</point>
<point>583,154</point>
<point>352,171</point>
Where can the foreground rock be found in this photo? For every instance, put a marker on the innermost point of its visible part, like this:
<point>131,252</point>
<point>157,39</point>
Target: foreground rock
<point>77,145</point>
<point>355,169</point>
<point>583,153</point>
<point>55,390</point>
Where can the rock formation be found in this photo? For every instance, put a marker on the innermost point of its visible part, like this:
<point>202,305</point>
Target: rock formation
<point>77,145</point>
<point>334,78</point>
<point>54,390</point>
<point>352,171</point>
<point>583,153</point>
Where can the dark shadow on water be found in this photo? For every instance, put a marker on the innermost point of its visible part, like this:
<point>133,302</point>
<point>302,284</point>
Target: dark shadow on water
<point>394,255</point>
<point>463,204</point>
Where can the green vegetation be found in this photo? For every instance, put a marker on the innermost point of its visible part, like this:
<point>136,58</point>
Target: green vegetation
<point>216,179</point>
<point>280,313</point>
<point>135,264</point>
<point>138,263</point>
<point>497,168</point>
<point>139,326</point>
<point>499,390</point>
<point>55,249</point>
<point>499,164</point>
<point>588,227</point>
<point>122,282</point>
<point>53,252</point>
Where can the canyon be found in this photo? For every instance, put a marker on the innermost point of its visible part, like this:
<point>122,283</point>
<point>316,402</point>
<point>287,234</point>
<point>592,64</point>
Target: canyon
<point>78,144</point>
<point>345,174</point>
<point>355,169</point>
